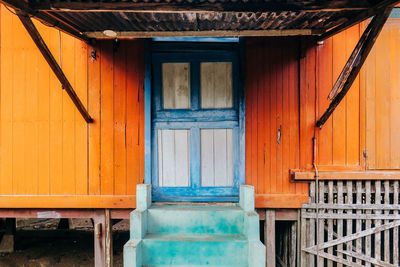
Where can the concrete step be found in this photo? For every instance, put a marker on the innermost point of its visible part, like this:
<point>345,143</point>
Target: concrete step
<point>194,250</point>
<point>181,219</point>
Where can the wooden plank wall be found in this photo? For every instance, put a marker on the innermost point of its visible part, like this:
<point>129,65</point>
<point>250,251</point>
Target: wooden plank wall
<point>47,149</point>
<point>338,142</point>
<point>272,106</point>
<point>381,81</point>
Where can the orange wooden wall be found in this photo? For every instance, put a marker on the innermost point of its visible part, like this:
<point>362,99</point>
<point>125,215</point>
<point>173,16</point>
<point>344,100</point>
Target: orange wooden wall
<point>272,104</point>
<point>51,158</point>
<point>47,149</point>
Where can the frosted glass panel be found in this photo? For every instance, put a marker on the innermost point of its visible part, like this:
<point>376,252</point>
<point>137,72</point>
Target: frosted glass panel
<point>216,85</point>
<point>176,85</point>
<point>216,157</point>
<point>173,158</point>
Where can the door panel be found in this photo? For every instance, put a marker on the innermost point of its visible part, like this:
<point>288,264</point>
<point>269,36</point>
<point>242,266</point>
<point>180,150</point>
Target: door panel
<point>176,85</point>
<point>216,157</point>
<point>216,85</point>
<point>173,158</point>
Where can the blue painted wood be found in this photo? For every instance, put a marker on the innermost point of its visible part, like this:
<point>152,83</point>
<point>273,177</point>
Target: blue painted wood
<point>196,118</point>
<point>147,114</point>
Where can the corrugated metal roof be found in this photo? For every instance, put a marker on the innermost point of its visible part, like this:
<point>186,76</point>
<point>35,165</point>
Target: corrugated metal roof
<point>89,18</point>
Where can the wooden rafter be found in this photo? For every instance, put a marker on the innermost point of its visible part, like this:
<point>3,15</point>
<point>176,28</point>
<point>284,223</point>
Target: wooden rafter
<point>355,62</point>
<point>178,6</point>
<point>46,18</point>
<point>38,40</point>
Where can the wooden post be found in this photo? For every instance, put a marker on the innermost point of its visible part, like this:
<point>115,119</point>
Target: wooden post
<point>38,40</point>
<point>355,62</point>
<point>103,253</point>
<point>269,237</point>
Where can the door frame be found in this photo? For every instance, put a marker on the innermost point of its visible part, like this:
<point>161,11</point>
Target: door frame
<point>151,46</point>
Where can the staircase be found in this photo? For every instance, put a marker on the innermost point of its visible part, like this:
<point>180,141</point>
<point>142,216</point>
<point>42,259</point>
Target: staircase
<point>194,235</point>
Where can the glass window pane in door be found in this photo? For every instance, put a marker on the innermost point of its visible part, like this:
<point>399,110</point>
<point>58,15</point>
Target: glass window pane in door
<point>216,157</point>
<point>216,85</point>
<point>173,158</point>
<point>176,85</point>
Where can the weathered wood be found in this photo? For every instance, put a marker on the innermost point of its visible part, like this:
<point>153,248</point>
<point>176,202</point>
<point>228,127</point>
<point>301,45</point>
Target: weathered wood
<point>362,223</point>
<point>46,18</point>
<point>346,175</point>
<point>356,61</point>
<point>38,40</point>
<point>216,33</point>
<point>254,6</point>
<point>108,239</point>
<point>269,236</point>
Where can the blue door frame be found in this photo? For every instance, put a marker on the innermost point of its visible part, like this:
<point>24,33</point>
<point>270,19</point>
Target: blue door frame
<point>157,118</point>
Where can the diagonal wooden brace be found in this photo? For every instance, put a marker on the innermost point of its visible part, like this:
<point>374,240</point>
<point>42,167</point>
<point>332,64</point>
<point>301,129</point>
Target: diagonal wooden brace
<point>355,62</point>
<point>37,38</point>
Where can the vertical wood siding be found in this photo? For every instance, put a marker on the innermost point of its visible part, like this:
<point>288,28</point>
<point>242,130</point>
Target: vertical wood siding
<point>380,79</point>
<point>339,140</point>
<point>47,149</point>
<point>272,110</point>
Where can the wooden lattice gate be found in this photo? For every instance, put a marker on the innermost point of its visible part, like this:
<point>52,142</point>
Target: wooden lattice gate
<point>356,223</point>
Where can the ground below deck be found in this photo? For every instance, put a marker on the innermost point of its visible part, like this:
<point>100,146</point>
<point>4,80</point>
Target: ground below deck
<point>40,244</point>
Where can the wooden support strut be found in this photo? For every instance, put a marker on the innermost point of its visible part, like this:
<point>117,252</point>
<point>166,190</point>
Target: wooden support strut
<point>37,38</point>
<point>355,62</point>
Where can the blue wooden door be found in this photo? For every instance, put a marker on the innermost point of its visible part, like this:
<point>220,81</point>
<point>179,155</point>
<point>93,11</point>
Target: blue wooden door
<point>196,129</point>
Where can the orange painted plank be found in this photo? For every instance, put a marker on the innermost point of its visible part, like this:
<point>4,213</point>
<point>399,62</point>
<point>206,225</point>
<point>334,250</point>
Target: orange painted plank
<point>132,116</point>
<point>81,127</point>
<point>107,119</point>
<point>259,72</point>
<point>394,28</point>
<point>20,54</point>
<point>285,141</point>
<point>68,181</point>
<point>43,117</point>
<point>294,147</point>
<point>353,106</point>
<point>273,116</point>
<point>339,115</point>
<point>30,153</point>
<point>279,114</point>
<point>382,98</point>
<point>280,200</point>
<point>6,85</point>
<point>120,107</point>
<point>68,201</point>
<point>56,123</point>
<point>325,84</point>
<point>267,115</point>
<point>307,108</point>
<point>370,81</point>
<point>94,88</point>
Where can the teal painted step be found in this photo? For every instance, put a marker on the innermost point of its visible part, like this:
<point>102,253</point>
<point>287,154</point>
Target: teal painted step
<point>201,249</point>
<point>193,235</point>
<point>195,219</point>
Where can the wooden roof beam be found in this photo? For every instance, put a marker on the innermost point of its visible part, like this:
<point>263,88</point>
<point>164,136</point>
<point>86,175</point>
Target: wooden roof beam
<point>355,62</point>
<point>38,40</point>
<point>241,33</point>
<point>251,6</point>
<point>46,18</point>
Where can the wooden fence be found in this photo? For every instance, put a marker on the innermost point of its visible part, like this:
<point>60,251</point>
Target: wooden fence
<point>351,223</point>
